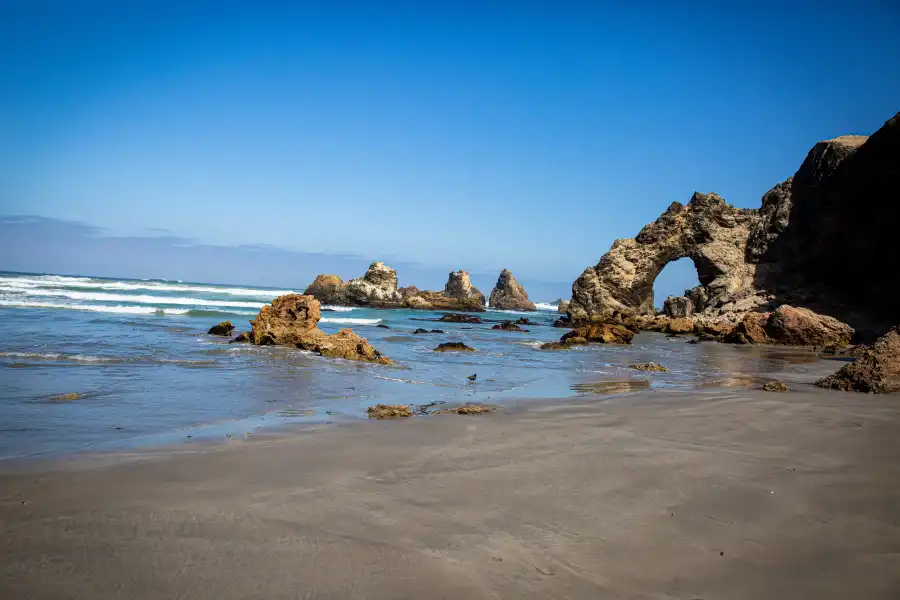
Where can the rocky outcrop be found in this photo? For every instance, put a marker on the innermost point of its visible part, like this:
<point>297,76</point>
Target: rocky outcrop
<point>875,370</point>
<point>509,294</point>
<point>791,326</point>
<point>775,386</point>
<point>378,288</point>
<point>242,338</point>
<point>508,326</point>
<point>223,328</point>
<point>563,306</point>
<point>458,294</point>
<point>292,320</point>
<point>649,366</point>
<point>328,289</point>
<point>603,333</point>
<point>457,318</point>
<point>678,307</point>
<point>389,411</point>
<point>679,326</point>
<point>822,239</point>
<point>454,347</point>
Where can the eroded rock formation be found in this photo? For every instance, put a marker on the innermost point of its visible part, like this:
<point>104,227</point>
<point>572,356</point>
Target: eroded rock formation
<point>292,320</point>
<point>458,294</point>
<point>791,326</point>
<point>328,289</point>
<point>378,287</point>
<point>509,294</point>
<point>876,369</point>
<point>823,239</point>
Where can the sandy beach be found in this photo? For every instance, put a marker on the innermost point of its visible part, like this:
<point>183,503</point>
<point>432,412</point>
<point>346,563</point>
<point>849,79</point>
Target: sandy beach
<point>733,494</point>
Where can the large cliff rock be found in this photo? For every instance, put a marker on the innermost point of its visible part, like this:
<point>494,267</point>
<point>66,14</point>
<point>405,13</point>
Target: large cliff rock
<point>876,370</point>
<point>509,294</point>
<point>292,320</point>
<point>823,239</point>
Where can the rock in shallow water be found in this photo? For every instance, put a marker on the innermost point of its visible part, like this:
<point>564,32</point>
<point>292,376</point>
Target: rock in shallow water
<point>509,294</point>
<point>458,318</point>
<point>790,326</point>
<point>292,320</point>
<point>875,370</point>
<point>454,347</point>
<point>223,328</point>
<point>508,326</point>
<point>389,411</point>
<point>650,366</point>
<point>775,386</point>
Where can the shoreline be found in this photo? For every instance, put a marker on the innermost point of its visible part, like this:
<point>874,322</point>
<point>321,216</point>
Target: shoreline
<point>733,494</point>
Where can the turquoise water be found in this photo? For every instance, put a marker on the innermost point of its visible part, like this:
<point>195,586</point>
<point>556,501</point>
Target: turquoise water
<point>137,354</point>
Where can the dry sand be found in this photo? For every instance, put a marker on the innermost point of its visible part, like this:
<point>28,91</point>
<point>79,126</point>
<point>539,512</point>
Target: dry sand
<point>732,495</point>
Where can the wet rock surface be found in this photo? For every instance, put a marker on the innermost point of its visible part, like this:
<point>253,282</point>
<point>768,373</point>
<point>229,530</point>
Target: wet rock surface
<point>791,326</point>
<point>389,411</point>
<point>454,347</point>
<point>508,326</point>
<point>292,320</point>
<point>602,333</point>
<point>458,318</point>
<point>875,370</point>
<point>224,328</point>
<point>775,386</point>
<point>649,366</point>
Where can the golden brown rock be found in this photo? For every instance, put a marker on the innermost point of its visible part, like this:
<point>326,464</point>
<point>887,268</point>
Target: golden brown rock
<point>680,325</point>
<point>292,320</point>
<point>389,411</point>
<point>775,386</point>
<point>751,330</point>
<point>328,289</point>
<point>604,333</point>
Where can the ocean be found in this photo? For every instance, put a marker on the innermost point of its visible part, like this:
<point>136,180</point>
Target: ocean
<point>146,374</point>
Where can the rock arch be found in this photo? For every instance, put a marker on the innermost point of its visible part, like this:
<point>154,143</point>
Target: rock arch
<point>708,230</point>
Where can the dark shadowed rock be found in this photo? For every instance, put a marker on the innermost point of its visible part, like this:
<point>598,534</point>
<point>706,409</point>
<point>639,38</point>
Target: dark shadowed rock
<point>223,328</point>
<point>876,368</point>
<point>457,318</point>
<point>242,338</point>
<point>678,307</point>
<point>508,326</point>
<point>420,331</point>
<point>509,294</point>
<point>437,331</point>
<point>454,347</point>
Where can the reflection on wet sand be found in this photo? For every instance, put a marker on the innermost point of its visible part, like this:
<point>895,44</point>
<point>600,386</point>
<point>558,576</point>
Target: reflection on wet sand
<point>603,388</point>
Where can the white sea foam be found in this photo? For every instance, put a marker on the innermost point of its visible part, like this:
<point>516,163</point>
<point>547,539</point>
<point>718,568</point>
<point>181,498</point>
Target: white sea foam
<point>133,310</point>
<point>78,282</point>
<point>350,321</point>
<point>546,306</point>
<point>44,355</point>
<point>142,299</point>
<point>337,308</point>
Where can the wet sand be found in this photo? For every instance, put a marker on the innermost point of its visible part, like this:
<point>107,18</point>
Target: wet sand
<point>729,495</point>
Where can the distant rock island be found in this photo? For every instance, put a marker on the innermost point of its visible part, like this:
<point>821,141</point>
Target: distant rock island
<point>378,288</point>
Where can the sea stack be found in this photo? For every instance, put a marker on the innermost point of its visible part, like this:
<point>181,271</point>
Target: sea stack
<point>509,294</point>
<point>292,320</point>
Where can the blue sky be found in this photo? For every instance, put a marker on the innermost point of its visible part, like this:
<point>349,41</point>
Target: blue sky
<point>478,135</point>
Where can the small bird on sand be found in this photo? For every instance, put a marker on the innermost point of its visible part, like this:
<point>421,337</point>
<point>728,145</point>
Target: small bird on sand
<point>472,376</point>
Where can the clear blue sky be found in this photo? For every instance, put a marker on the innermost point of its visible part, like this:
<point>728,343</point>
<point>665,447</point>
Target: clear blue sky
<point>480,135</point>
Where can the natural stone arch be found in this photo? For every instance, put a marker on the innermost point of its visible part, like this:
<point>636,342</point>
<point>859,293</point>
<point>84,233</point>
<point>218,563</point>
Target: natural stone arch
<point>709,231</point>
